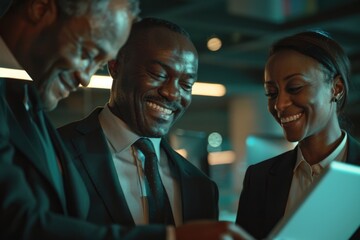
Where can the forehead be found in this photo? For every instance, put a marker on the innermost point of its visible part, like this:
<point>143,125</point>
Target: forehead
<point>156,39</point>
<point>110,25</point>
<point>286,62</point>
<point>162,45</point>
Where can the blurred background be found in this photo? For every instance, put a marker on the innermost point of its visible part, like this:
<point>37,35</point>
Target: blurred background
<point>225,133</point>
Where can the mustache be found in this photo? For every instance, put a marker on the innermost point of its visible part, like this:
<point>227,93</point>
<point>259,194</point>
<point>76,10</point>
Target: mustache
<point>162,101</point>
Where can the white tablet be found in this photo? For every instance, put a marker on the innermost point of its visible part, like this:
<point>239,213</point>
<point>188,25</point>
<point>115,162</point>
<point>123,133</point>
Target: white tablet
<point>329,210</point>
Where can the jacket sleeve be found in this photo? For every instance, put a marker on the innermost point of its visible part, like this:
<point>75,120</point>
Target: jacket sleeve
<point>22,217</point>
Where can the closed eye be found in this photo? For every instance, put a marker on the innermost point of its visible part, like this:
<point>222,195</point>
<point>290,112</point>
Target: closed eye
<point>271,95</point>
<point>158,76</point>
<point>294,90</point>
<point>187,86</point>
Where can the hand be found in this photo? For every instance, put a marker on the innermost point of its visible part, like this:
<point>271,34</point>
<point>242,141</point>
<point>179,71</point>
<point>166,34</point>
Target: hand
<point>211,230</point>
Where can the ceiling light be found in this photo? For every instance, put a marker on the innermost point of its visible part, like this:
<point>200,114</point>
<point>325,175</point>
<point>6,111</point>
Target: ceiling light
<point>104,82</point>
<point>214,44</point>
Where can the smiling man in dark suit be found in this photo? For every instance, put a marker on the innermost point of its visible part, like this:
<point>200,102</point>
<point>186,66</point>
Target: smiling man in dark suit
<point>153,77</point>
<point>60,44</point>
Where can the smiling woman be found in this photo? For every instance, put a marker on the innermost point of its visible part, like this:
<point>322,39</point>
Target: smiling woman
<point>299,95</point>
<point>306,81</point>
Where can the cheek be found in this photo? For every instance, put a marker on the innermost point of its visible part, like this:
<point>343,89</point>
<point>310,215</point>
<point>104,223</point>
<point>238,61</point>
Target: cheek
<point>271,108</point>
<point>72,57</point>
<point>186,99</point>
<point>317,101</point>
<point>68,52</point>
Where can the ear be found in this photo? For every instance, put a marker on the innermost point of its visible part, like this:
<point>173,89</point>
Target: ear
<point>112,64</point>
<point>338,87</point>
<point>39,10</point>
<point>115,65</point>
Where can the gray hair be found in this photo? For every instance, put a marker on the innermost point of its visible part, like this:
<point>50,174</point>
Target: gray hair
<point>81,7</point>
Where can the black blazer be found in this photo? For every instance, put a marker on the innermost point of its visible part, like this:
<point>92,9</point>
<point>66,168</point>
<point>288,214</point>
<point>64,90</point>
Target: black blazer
<point>86,141</point>
<point>30,205</point>
<point>266,188</point>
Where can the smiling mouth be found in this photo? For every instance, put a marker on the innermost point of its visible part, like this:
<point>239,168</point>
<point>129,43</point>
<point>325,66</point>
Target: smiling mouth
<point>159,108</point>
<point>290,118</point>
<point>69,86</point>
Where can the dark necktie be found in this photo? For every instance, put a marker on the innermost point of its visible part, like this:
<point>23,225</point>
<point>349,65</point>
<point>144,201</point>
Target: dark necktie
<point>158,201</point>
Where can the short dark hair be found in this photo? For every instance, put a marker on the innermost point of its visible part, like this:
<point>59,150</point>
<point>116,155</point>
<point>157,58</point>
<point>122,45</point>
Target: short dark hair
<point>320,46</point>
<point>148,22</point>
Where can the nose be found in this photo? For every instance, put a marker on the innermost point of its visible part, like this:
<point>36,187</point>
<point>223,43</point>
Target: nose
<point>86,70</point>
<point>282,101</point>
<point>170,90</point>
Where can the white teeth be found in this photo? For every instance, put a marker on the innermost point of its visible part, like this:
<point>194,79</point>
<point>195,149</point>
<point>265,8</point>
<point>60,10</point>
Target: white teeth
<point>159,108</point>
<point>291,118</point>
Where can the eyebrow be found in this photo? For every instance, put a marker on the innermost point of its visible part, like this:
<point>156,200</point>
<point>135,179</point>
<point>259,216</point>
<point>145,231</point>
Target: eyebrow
<point>293,75</point>
<point>167,67</point>
<point>286,78</point>
<point>161,64</point>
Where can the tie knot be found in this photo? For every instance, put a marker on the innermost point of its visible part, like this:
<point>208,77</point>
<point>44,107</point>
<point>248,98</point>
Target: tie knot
<point>145,145</point>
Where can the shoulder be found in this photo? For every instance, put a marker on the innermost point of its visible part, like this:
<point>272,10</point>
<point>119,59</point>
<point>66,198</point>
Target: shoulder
<point>353,141</point>
<point>277,163</point>
<point>82,126</point>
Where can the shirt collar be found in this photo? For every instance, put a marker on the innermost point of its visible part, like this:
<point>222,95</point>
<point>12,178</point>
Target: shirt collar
<point>119,134</point>
<point>339,154</point>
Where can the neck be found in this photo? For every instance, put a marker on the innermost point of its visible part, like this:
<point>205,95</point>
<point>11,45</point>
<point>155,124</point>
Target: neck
<point>319,146</point>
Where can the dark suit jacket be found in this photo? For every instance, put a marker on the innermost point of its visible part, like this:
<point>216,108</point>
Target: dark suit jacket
<point>6,150</point>
<point>30,205</point>
<point>266,188</point>
<point>89,149</point>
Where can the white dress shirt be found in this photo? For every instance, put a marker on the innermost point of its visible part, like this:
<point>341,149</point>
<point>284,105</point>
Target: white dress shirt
<point>129,165</point>
<point>304,174</point>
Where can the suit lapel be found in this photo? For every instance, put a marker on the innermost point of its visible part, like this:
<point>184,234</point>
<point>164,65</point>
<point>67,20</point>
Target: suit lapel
<point>178,172</point>
<point>22,141</point>
<point>97,160</point>
<point>20,130</point>
<point>22,133</point>
<point>193,188</point>
<point>278,187</point>
<point>75,197</point>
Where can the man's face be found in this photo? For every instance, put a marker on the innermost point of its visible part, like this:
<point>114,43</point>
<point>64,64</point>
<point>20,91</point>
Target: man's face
<point>154,81</point>
<point>72,49</point>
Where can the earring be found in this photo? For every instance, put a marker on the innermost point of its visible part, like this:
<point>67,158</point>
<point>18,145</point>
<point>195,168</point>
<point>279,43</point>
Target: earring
<point>337,97</point>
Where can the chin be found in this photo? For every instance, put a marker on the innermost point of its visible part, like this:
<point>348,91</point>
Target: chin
<point>290,138</point>
<point>50,102</point>
<point>49,107</point>
<point>157,133</point>
<point>49,98</point>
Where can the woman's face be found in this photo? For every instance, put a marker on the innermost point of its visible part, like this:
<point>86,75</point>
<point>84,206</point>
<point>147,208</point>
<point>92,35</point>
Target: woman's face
<point>300,95</point>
